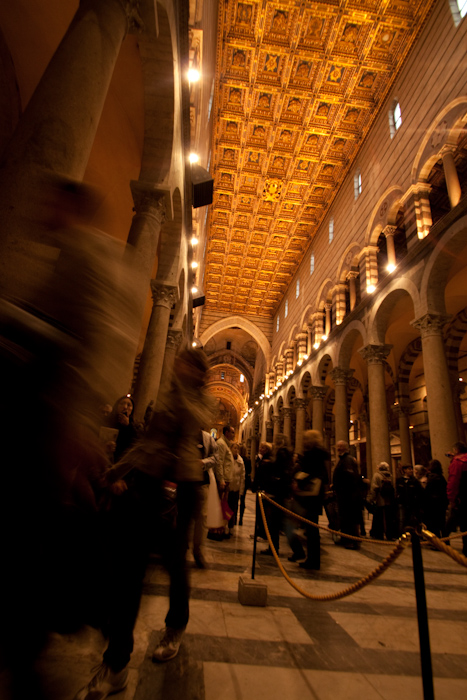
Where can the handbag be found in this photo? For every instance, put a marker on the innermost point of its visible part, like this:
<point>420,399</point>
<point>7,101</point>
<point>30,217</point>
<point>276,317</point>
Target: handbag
<point>308,485</point>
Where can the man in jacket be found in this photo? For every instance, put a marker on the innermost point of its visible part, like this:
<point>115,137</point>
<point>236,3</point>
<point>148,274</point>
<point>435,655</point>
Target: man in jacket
<point>347,487</point>
<point>457,492</point>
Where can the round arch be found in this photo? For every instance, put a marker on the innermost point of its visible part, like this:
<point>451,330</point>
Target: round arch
<point>384,212</point>
<point>350,256</point>
<point>246,325</point>
<point>347,341</point>
<point>382,309</point>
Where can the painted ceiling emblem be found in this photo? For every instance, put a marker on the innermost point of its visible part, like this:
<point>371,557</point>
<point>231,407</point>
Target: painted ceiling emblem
<point>272,190</point>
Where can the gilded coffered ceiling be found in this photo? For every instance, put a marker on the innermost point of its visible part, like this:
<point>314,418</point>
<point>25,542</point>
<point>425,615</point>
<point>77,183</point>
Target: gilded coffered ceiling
<point>298,87</point>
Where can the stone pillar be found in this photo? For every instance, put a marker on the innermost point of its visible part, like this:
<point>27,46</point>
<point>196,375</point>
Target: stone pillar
<point>340,378</point>
<point>57,129</point>
<point>352,289</point>
<point>276,421</point>
<point>272,381</point>
<point>288,361</point>
<point>279,372</point>
<point>309,340</point>
<point>152,357</point>
<point>364,420</point>
<point>327,326</point>
<point>404,434</point>
<point>339,302</point>
<point>288,423</point>
<point>319,331</point>
<point>174,339</point>
<point>441,416</point>
<point>389,232</point>
<point>269,431</point>
<point>417,212</point>
<point>451,176</point>
<point>300,408</point>
<point>294,354</point>
<point>369,269</point>
<point>253,453</point>
<point>318,394</point>
<point>380,446</point>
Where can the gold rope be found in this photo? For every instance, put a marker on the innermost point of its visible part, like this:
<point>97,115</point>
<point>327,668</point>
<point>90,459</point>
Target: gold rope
<point>443,547</point>
<point>397,551</point>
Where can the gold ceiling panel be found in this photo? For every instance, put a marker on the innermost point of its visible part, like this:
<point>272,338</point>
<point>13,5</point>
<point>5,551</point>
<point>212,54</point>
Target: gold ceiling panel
<point>298,87</point>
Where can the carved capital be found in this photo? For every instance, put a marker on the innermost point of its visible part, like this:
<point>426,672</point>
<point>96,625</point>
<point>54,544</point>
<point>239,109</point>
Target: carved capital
<point>389,230</point>
<point>341,376</point>
<point>318,392</point>
<point>288,412</point>
<point>174,338</point>
<point>375,354</point>
<point>276,419</point>
<point>149,202</point>
<point>430,324</point>
<point>300,404</point>
<point>163,294</point>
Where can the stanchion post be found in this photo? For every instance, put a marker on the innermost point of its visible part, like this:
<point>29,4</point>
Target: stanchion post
<point>253,565</point>
<point>422,616</point>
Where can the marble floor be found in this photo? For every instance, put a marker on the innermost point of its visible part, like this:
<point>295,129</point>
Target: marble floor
<point>363,646</point>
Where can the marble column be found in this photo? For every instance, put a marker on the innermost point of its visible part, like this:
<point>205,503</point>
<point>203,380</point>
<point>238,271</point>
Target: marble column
<point>318,394</point>
<point>451,176</point>
<point>289,366</point>
<point>174,339</point>
<point>389,232</point>
<point>404,434</point>
<point>288,423</point>
<point>441,415</point>
<point>352,289</point>
<point>300,406</point>
<point>276,421</point>
<point>327,326</point>
<point>152,357</point>
<point>269,427</point>
<point>253,453</point>
<point>309,340</point>
<point>375,355</point>
<point>364,420</point>
<point>57,129</point>
<point>340,377</point>
<point>302,340</point>
<point>369,269</point>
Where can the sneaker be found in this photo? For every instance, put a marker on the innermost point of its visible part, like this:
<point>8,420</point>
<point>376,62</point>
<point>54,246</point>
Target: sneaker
<point>169,645</point>
<point>105,682</point>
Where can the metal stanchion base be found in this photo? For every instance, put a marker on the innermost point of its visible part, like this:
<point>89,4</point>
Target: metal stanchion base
<point>252,593</point>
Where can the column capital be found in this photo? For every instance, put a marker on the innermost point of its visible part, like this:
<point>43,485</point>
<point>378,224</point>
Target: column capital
<point>174,338</point>
<point>340,375</point>
<point>300,404</point>
<point>288,412</point>
<point>389,230</point>
<point>318,392</point>
<point>276,419</point>
<point>430,324</point>
<point>149,201</point>
<point>131,10</point>
<point>352,274</point>
<point>163,294</point>
<point>375,354</point>
<point>447,149</point>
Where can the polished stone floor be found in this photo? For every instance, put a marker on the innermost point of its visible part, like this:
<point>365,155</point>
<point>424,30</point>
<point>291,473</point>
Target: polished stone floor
<point>363,646</point>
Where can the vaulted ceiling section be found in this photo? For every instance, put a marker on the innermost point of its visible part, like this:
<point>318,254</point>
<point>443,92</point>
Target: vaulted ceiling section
<point>298,87</point>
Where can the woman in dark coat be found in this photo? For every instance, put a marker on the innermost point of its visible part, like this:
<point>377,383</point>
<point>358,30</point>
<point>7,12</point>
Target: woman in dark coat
<point>435,499</point>
<point>309,484</point>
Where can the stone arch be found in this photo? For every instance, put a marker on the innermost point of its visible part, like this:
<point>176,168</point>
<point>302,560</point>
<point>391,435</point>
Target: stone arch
<point>436,272</point>
<point>170,244</point>
<point>404,369</point>
<point>347,342</point>
<point>442,130</point>
<point>305,383</point>
<point>295,329</point>
<point>322,368</point>
<point>324,291</point>
<point>291,393</point>
<point>381,311</point>
<point>455,333</point>
<point>179,306</point>
<point>305,317</point>
<point>246,325</point>
<point>349,259</point>
<point>384,213</point>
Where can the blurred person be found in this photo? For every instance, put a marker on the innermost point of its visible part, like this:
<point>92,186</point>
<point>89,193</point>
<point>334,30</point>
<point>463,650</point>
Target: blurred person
<point>409,495</point>
<point>159,505</point>
<point>420,472</point>
<point>276,480</point>
<point>457,492</point>
<point>121,419</point>
<point>210,460</point>
<point>224,445</point>
<point>237,485</point>
<point>309,486</point>
<point>346,484</point>
<point>383,496</point>
<point>64,316</point>
<point>248,482</point>
<point>436,500</point>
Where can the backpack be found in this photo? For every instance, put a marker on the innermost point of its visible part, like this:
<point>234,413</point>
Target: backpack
<point>387,489</point>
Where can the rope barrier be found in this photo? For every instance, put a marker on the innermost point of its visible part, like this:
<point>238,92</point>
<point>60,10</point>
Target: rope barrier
<point>397,551</point>
<point>349,537</point>
<point>443,547</point>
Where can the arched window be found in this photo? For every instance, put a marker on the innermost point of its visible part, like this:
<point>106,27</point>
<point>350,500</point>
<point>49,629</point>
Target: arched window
<point>297,289</point>
<point>286,310</point>
<point>277,325</point>
<point>312,263</point>
<point>331,229</point>
<point>459,10</point>
<point>357,184</point>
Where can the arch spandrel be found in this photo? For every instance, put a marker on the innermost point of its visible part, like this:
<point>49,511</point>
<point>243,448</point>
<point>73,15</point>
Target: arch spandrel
<point>381,311</point>
<point>384,213</point>
<point>347,342</point>
<point>348,260</point>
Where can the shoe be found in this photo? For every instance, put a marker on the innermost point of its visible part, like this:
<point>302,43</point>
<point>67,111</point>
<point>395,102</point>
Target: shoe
<point>200,561</point>
<point>308,565</point>
<point>296,557</point>
<point>226,536</point>
<point>169,645</point>
<point>105,682</point>
<point>240,522</point>
<point>231,531</point>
